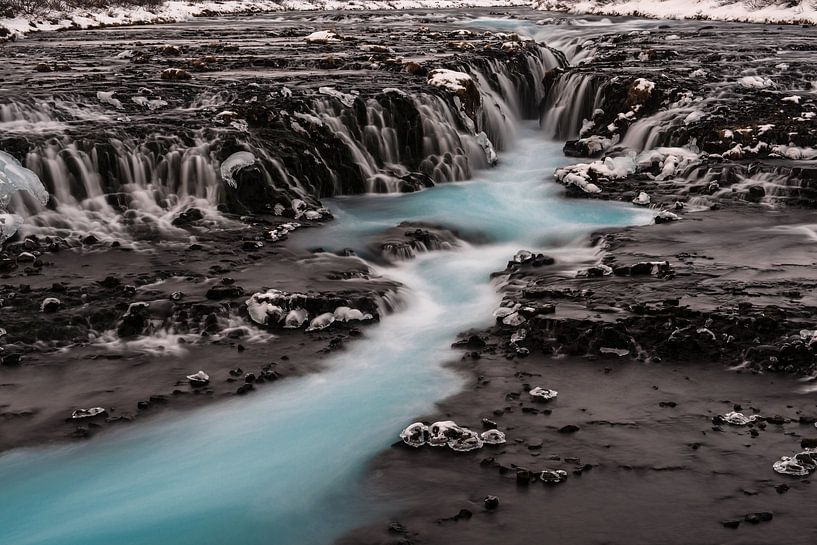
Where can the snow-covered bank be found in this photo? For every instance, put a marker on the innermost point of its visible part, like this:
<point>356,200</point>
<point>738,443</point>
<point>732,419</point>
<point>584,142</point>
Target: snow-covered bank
<point>751,11</point>
<point>176,10</point>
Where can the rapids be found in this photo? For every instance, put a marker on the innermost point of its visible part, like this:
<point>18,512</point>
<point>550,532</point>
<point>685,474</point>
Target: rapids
<point>282,466</point>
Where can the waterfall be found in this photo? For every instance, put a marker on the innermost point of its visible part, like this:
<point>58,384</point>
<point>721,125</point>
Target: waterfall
<point>572,98</point>
<point>114,182</point>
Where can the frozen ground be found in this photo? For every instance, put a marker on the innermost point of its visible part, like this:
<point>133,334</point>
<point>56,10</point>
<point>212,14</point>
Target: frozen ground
<point>174,10</point>
<point>753,11</point>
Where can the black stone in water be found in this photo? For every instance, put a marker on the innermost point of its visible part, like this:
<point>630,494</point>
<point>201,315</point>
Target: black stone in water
<point>570,428</point>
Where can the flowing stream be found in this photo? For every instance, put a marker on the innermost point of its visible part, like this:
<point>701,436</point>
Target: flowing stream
<point>283,465</point>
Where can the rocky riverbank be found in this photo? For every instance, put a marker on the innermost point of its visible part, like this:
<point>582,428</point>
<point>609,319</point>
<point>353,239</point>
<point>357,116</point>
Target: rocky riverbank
<point>699,319</point>
<point>650,395</point>
<point>176,169</point>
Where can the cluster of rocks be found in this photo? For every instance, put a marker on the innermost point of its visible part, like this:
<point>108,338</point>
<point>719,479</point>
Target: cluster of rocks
<point>408,239</point>
<point>276,308</point>
<point>450,434</point>
<point>699,148</point>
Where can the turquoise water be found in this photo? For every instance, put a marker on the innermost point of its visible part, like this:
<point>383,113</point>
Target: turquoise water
<point>283,466</point>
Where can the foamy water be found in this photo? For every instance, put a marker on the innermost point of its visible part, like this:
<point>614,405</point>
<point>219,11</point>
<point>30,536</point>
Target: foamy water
<point>283,465</point>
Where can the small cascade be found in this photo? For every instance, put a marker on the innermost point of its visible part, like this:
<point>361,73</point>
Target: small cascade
<point>569,101</point>
<point>113,177</point>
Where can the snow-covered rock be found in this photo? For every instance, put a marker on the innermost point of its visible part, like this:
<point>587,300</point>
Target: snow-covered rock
<point>415,434</point>
<point>322,37</point>
<point>347,314</point>
<point>321,322</point>
<point>717,10</point>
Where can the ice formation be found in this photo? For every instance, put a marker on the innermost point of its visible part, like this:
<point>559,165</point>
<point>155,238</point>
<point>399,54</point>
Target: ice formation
<point>15,177</point>
<point>296,318</point>
<point>347,314</point>
<point>321,322</point>
<point>739,419</point>
<point>493,437</point>
<point>233,163</point>
<point>468,440</point>
<point>88,413</point>
<point>415,434</point>
<point>799,465</point>
<point>543,393</point>
<point>322,37</point>
<point>199,379</point>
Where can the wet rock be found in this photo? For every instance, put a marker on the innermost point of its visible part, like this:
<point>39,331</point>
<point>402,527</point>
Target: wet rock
<point>50,305</point>
<point>188,217</point>
<point>473,342</point>
<point>245,389</point>
<point>135,321</point>
<point>491,502</point>
<point>808,443</point>
<point>756,518</point>
<point>570,428</point>
<point>221,291</point>
<point>12,360</point>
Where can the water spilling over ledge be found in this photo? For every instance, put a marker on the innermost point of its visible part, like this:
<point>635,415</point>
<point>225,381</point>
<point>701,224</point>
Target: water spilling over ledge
<point>445,220</point>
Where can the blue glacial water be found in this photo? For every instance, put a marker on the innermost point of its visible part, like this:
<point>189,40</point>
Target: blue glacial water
<point>284,465</point>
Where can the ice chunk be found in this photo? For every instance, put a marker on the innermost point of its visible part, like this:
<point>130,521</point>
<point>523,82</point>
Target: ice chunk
<point>346,314</point>
<point>468,440</point>
<point>322,37</point>
<point>415,434</point>
<point>550,476</point>
<point>234,162</point>
<point>665,216</point>
<point>199,379</point>
<point>9,224</point>
<point>799,465</point>
<point>493,437</point>
<point>543,393</point>
<point>522,256</point>
<point>440,433</point>
<point>487,146</point>
<point>88,413</point>
<point>106,97</point>
<point>15,177</point>
<point>642,199</point>
<point>263,306</point>
<point>755,82</point>
<point>321,322</point>
<point>295,318</point>
<point>739,419</point>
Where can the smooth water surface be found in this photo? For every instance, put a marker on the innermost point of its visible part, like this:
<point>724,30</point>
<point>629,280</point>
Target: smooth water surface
<point>282,466</point>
